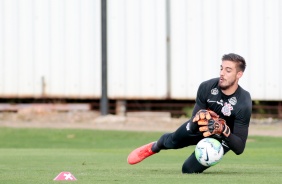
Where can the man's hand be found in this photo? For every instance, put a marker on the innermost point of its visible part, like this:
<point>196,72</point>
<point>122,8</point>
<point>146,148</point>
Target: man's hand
<point>214,126</point>
<point>204,114</point>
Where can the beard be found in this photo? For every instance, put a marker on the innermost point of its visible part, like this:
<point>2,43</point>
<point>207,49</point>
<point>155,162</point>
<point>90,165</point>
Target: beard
<point>227,85</point>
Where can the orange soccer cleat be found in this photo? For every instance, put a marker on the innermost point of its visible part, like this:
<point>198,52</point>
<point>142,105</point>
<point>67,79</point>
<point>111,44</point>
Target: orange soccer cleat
<point>140,154</point>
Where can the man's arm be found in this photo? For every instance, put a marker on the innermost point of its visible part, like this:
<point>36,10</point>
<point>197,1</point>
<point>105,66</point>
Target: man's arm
<point>237,140</point>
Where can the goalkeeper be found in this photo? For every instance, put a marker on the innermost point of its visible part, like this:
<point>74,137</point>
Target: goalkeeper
<point>222,111</point>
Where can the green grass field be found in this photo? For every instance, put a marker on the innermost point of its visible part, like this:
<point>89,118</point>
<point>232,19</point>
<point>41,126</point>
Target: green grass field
<point>39,155</point>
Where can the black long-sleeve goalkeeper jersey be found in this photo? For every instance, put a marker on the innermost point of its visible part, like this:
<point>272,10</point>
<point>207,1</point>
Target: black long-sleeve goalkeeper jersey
<point>236,109</point>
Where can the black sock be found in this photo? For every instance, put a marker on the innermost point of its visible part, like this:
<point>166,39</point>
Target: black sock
<point>158,145</point>
<point>155,148</point>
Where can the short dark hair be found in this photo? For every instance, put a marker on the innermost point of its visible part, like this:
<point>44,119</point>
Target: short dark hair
<point>241,63</point>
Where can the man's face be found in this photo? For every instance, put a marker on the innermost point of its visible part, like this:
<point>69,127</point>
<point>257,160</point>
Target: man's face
<point>228,75</point>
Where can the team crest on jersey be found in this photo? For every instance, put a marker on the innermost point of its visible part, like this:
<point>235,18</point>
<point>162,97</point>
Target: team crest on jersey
<point>226,109</point>
<point>232,101</point>
<point>214,91</point>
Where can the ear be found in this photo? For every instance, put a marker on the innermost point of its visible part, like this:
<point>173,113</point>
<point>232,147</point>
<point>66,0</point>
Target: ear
<point>239,74</point>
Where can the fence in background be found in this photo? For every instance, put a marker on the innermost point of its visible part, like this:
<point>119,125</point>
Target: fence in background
<point>157,50</point>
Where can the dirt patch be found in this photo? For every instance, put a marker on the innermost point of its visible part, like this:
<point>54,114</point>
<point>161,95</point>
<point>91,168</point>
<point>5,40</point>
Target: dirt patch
<point>41,118</point>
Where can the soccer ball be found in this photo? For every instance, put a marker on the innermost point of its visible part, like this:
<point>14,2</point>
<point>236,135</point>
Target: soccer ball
<point>209,151</point>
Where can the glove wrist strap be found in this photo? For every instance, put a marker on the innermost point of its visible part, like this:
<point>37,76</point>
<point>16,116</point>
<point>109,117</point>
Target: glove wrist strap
<point>226,131</point>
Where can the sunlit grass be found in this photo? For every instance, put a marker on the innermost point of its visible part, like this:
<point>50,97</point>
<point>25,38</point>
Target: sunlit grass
<point>38,155</point>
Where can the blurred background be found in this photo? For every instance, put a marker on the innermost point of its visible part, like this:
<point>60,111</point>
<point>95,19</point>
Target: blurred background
<point>135,55</point>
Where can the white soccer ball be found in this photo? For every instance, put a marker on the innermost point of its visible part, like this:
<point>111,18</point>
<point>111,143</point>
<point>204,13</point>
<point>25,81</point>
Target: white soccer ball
<point>209,151</point>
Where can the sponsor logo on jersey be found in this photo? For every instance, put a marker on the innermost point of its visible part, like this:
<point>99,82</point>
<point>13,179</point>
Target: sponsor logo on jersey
<point>218,102</point>
<point>214,91</point>
<point>232,101</point>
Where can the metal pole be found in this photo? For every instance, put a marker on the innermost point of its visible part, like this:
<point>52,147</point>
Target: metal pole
<point>104,96</point>
<point>168,49</point>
